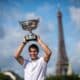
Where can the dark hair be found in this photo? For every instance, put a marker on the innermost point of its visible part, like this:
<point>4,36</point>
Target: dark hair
<point>33,46</point>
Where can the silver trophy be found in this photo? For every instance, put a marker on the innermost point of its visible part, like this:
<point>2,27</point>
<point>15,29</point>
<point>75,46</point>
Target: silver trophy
<point>29,26</point>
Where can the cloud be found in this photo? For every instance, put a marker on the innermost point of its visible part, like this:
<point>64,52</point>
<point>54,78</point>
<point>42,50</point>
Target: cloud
<point>51,26</point>
<point>31,15</point>
<point>46,26</point>
<point>75,2</point>
<point>45,8</point>
<point>77,47</point>
<point>13,35</point>
<point>75,16</point>
<point>75,57</point>
<point>43,26</point>
<point>2,32</point>
<point>50,71</point>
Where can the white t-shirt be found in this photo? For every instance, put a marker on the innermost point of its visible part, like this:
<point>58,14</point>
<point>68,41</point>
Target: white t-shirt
<point>35,70</point>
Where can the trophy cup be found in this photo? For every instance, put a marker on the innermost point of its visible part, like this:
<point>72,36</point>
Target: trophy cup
<point>29,26</point>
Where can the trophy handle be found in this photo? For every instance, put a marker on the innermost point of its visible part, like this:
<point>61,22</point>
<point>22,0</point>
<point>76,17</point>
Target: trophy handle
<point>31,37</point>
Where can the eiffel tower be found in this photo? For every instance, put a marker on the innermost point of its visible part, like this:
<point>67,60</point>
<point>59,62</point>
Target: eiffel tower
<point>62,62</point>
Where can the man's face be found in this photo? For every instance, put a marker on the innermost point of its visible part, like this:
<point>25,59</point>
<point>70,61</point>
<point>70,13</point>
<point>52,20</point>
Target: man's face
<point>33,53</point>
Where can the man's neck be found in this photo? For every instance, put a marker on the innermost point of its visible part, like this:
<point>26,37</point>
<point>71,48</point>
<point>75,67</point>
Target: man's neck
<point>35,59</point>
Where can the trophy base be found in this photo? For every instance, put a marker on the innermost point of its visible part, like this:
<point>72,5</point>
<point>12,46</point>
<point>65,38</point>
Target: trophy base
<point>31,37</point>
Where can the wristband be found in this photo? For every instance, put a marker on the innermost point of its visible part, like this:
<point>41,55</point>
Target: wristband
<point>24,43</point>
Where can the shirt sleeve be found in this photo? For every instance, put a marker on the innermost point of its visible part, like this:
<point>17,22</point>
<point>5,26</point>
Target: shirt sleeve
<point>26,61</point>
<point>43,61</point>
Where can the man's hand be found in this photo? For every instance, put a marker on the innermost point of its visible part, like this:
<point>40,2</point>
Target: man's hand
<point>25,40</point>
<point>38,39</point>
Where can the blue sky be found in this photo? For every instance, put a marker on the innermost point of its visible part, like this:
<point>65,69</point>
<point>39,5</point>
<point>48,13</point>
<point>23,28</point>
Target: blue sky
<point>11,33</point>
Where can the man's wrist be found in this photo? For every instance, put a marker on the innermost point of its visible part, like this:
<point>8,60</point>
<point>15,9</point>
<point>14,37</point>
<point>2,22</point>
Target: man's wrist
<point>40,41</point>
<point>24,42</point>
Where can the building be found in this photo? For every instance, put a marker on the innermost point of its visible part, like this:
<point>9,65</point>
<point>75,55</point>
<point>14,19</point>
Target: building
<point>62,60</point>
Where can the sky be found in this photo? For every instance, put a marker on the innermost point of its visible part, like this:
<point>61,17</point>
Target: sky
<point>11,33</point>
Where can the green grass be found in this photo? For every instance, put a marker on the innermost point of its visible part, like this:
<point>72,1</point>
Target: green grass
<point>2,77</point>
<point>72,77</point>
<point>5,77</point>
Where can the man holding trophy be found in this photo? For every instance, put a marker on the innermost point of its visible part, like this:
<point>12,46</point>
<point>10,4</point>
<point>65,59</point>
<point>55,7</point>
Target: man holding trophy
<point>34,69</point>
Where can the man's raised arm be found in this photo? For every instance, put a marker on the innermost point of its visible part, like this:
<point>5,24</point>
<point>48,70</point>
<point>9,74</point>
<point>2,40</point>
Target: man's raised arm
<point>18,52</point>
<point>45,48</point>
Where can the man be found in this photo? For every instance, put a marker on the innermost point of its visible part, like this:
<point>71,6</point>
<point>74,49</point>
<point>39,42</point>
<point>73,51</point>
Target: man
<point>34,69</point>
